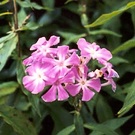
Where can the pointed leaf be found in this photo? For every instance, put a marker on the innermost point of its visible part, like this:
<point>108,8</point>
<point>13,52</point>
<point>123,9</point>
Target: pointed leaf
<point>113,124</point>
<point>101,128</point>
<point>67,130</point>
<point>17,120</point>
<point>6,50</point>
<point>118,60</point>
<point>105,110</point>
<point>129,100</point>
<point>117,122</point>
<point>27,4</point>
<point>104,31</point>
<point>7,37</point>
<point>125,46</point>
<point>4,2</point>
<point>106,17</point>
<point>8,88</point>
<point>133,132</point>
<point>6,13</point>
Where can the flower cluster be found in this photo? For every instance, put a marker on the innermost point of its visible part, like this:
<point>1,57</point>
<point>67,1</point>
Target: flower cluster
<point>66,71</point>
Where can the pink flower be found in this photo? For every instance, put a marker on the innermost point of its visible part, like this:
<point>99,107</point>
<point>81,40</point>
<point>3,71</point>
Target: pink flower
<point>84,86</point>
<point>93,50</point>
<point>63,62</point>
<point>66,72</point>
<point>54,40</point>
<point>43,47</point>
<point>109,74</point>
<point>57,90</point>
<point>36,79</point>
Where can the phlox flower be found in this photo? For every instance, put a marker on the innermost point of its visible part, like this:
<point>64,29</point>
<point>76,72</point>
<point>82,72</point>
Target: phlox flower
<point>84,85</point>
<point>63,62</point>
<point>66,71</point>
<point>93,51</point>
<point>44,48</point>
<point>57,90</point>
<point>37,77</point>
<point>109,74</point>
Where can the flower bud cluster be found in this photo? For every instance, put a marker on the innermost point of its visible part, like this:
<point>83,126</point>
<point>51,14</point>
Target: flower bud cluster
<point>67,72</point>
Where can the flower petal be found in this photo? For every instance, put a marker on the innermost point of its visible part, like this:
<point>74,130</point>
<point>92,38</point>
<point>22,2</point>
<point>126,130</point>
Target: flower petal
<point>87,94</point>
<point>50,95</point>
<point>73,89</point>
<point>62,94</point>
<point>40,42</point>
<point>54,40</point>
<point>34,86</point>
<point>95,84</point>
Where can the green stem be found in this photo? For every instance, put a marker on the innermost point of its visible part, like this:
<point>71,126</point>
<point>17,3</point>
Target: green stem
<point>78,123</point>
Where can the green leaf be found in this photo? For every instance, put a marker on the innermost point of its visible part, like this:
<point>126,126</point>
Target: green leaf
<point>118,60</point>
<point>6,13</point>
<point>17,120</point>
<point>6,50</point>
<point>129,100</point>
<point>3,100</point>
<point>133,132</point>
<point>21,17</point>
<point>58,113</point>
<point>113,124</point>
<point>67,130</point>
<point>78,124</point>
<point>106,17</point>
<point>4,2</point>
<point>8,88</point>
<point>101,128</point>
<point>117,122</point>
<point>70,37</point>
<point>31,26</point>
<point>125,46</point>
<point>6,129</point>
<point>27,4</point>
<point>105,110</point>
<point>104,31</point>
<point>7,37</point>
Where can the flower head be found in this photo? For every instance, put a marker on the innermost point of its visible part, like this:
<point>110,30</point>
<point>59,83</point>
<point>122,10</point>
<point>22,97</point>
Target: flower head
<point>93,50</point>
<point>65,72</point>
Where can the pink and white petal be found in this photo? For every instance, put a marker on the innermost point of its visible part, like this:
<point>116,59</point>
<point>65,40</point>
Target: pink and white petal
<point>104,54</point>
<point>39,86</point>
<point>73,60</point>
<point>63,71</point>
<point>40,42</point>
<point>62,52</point>
<point>82,43</point>
<point>69,77</point>
<point>53,72</point>
<point>50,95</point>
<point>87,94</point>
<point>28,83</point>
<point>95,84</point>
<point>28,61</point>
<point>54,40</point>
<point>113,73</point>
<point>73,89</point>
<point>62,94</point>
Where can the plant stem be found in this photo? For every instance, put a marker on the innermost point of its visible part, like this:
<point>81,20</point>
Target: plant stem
<point>16,27</point>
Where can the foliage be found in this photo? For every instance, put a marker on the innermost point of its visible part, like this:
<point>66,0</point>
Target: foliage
<point>110,24</point>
